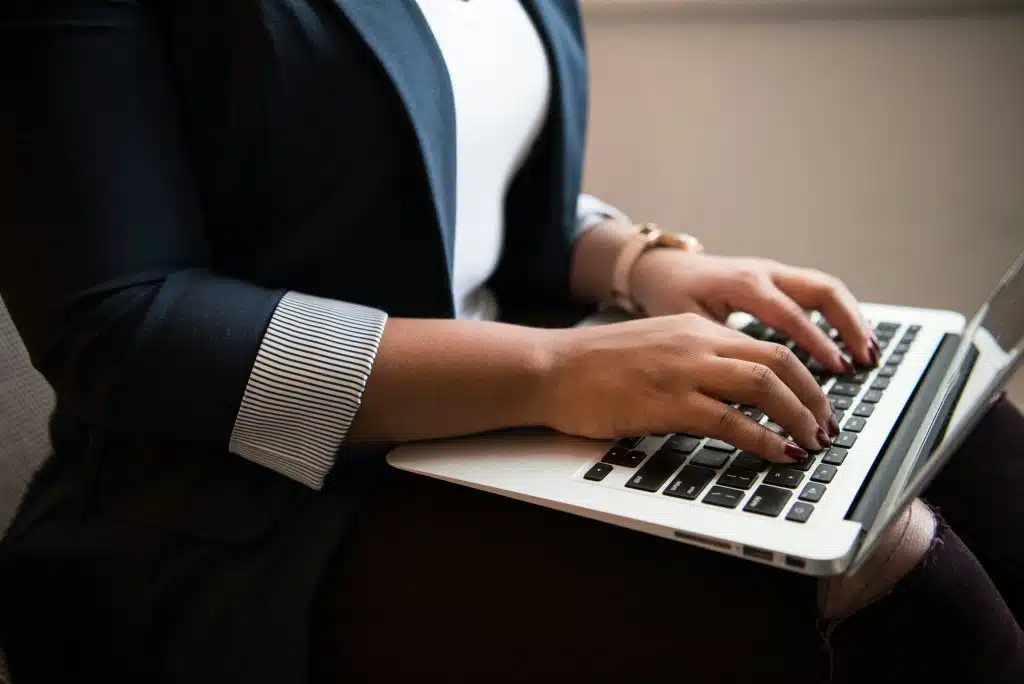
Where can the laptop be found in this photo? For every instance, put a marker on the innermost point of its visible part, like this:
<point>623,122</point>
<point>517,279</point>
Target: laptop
<point>901,422</point>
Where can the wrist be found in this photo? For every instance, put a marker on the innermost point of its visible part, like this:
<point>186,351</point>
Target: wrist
<point>594,257</point>
<point>535,401</point>
<point>648,277</point>
<point>649,238</point>
<point>552,388</point>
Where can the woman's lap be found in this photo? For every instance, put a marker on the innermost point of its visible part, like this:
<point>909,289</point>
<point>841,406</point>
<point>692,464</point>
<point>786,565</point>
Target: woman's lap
<point>442,579</point>
<point>980,493</point>
<point>445,579</point>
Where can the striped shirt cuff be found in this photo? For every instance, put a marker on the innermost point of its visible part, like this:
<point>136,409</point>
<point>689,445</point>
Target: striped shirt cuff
<point>306,385</point>
<point>590,211</point>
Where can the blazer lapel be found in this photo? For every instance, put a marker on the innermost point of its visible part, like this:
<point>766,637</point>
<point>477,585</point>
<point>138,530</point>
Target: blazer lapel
<point>558,22</point>
<point>399,35</point>
<point>405,46</point>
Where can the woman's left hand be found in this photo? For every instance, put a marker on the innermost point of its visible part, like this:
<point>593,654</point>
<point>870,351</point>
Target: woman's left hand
<point>671,281</point>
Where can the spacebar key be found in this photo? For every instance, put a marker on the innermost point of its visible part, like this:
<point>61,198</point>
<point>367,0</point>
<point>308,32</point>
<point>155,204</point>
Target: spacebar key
<point>658,468</point>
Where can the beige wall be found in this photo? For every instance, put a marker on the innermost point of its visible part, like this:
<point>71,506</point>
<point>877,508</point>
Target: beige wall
<point>887,150</point>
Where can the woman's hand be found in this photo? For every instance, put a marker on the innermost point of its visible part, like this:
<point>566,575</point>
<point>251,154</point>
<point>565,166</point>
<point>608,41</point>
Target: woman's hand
<point>670,281</point>
<point>681,374</point>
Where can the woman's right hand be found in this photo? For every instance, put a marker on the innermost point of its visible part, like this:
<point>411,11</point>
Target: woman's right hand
<point>676,374</point>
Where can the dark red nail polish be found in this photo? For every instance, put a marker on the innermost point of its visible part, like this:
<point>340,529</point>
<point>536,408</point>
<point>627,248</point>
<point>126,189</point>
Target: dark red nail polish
<point>824,441</point>
<point>873,354</point>
<point>847,364</point>
<point>833,425</point>
<point>794,452</point>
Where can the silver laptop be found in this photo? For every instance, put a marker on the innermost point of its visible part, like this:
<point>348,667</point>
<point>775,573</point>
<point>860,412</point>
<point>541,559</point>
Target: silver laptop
<point>901,422</point>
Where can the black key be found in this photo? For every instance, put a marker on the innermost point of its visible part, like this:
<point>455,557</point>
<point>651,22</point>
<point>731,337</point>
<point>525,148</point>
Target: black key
<point>756,329</point>
<point>825,326</point>
<point>803,465</point>
<point>802,355</point>
<point>775,427</point>
<point>839,415</point>
<point>724,497</point>
<point>908,338</point>
<point>783,477</point>
<point>864,410</point>
<point>750,461</point>
<point>768,501</point>
<point>629,442</point>
<point>858,378</point>
<point>777,337</point>
<point>690,482</point>
<point>845,440</point>
<point>845,389</point>
<point>684,444</point>
<point>855,424</point>
<point>884,335</point>
<point>902,348</point>
<point>800,512</point>
<point>816,368</point>
<point>824,473</point>
<point>752,412</point>
<point>622,457</point>
<point>914,329</point>
<point>883,345</point>
<point>657,469</point>
<point>738,478</point>
<point>880,384</point>
<point>887,327</point>
<point>872,396</point>
<point>894,360</point>
<point>840,402</point>
<point>598,472</point>
<point>835,456</point>
<point>821,379</point>
<point>813,492</point>
<point>710,458</point>
<point>719,445</point>
<point>887,371</point>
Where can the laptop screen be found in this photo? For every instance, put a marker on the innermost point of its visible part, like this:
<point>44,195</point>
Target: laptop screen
<point>997,332</point>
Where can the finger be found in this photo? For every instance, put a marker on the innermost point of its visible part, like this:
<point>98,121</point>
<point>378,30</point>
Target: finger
<point>816,290</point>
<point>713,418</point>
<point>777,310</point>
<point>756,384</point>
<point>788,368</point>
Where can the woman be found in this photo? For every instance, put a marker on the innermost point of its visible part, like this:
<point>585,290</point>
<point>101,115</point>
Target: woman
<point>251,244</point>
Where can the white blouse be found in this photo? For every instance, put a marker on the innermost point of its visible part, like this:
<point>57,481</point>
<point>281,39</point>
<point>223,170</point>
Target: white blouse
<point>502,84</point>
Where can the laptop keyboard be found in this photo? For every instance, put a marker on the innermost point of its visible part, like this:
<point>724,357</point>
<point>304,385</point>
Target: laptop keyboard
<point>717,474</point>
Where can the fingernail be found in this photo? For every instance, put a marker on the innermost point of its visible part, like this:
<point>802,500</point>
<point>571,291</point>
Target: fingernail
<point>794,452</point>
<point>824,441</point>
<point>847,364</point>
<point>833,425</point>
<point>873,354</point>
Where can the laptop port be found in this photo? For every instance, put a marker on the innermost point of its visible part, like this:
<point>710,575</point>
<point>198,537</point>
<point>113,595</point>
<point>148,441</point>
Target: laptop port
<point>704,541</point>
<point>759,554</point>
<point>796,562</point>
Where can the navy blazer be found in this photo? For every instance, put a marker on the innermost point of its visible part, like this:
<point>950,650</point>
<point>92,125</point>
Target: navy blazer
<point>169,170</point>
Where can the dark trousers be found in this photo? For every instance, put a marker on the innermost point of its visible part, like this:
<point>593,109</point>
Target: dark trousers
<point>448,584</point>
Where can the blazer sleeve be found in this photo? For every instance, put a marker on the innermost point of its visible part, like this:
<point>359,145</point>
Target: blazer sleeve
<point>106,269</point>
